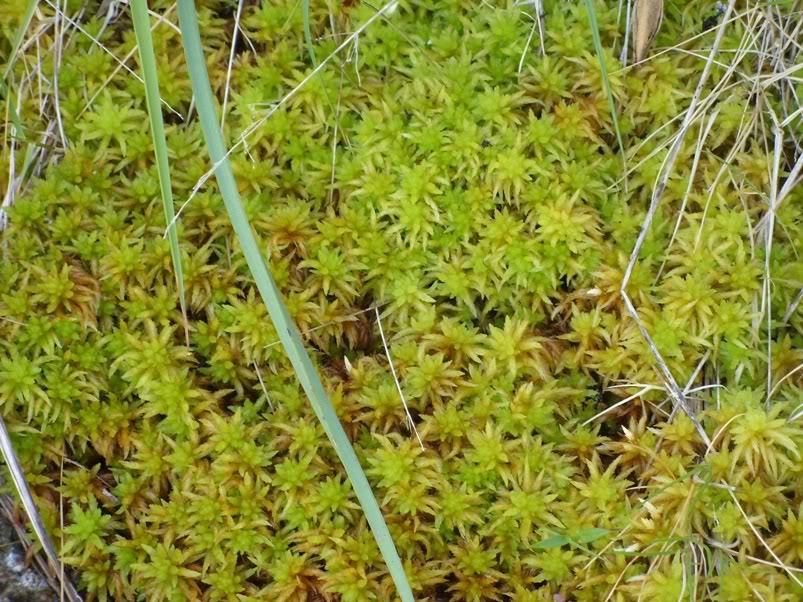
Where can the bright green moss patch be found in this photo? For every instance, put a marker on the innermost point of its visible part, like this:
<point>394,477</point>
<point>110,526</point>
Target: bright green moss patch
<point>485,215</point>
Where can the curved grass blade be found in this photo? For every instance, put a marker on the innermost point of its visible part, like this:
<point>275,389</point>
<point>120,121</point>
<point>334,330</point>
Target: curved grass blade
<point>6,447</point>
<point>308,33</point>
<point>26,22</point>
<point>288,333</point>
<point>15,46</point>
<point>592,18</point>
<point>21,485</point>
<point>12,111</point>
<point>142,30</point>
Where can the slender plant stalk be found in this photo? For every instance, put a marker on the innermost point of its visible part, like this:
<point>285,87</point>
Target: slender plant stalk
<point>308,33</point>
<point>4,89</point>
<point>142,30</point>
<point>18,477</point>
<point>676,394</point>
<point>287,330</point>
<point>234,35</point>
<point>592,18</point>
<point>26,22</point>
<point>11,105</point>
<point>7,449</point>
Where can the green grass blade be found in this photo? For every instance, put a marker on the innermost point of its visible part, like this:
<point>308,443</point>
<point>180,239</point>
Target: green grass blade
<point>142,30</point>
<point>15,46</point>
<point>28,161</point>
<point>12,111</point>
<point>592,18</point>
<point>26,22</point>
<point>288,333</point>
<point>308,33</point>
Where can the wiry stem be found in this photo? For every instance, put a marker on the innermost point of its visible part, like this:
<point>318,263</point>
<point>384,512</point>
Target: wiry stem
<point>389,7</point>
<point>21,485</point>
<point>56,67</point>
<point>676,394</point>
<point>625,44</point>
<point>234,36</point>
<point>411,424</point>
<point>767,285</point>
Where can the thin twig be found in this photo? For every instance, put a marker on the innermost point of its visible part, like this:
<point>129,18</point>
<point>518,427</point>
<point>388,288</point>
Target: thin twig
<point>389,7</point>
<point>396,380</point>
<point>56,68</point>
<point>121,63</point>
<point>262,384</point>
<point>763,542</point>
<point>678,397</point>
<point>621,403</point>
<point>793,306</point>
<point>231,62</point>
<point>625,45</point>
<point>768,252</point>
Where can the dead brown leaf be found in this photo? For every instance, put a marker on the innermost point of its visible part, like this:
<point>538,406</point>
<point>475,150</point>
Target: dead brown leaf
<point>647,17</point>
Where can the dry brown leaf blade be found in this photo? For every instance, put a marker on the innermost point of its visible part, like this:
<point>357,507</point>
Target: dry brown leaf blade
<point>647,17</point>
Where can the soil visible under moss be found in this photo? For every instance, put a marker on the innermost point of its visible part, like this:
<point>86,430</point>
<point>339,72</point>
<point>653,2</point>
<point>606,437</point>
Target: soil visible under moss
<point>19,581</point>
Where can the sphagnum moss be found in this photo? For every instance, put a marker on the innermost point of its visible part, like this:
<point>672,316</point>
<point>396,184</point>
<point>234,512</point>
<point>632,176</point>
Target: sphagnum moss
<point>485,215</point>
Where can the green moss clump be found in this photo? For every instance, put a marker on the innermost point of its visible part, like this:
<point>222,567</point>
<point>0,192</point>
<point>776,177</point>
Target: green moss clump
<point>483,214</point>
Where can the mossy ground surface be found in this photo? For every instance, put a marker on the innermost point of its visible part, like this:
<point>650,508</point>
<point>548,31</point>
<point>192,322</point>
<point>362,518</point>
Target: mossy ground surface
<point>477,201</point>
